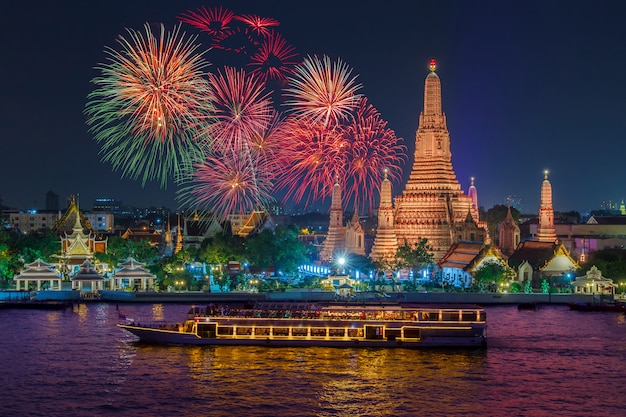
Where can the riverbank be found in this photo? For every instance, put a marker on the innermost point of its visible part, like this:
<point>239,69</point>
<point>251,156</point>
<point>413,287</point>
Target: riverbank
<point>329,296</point>
<point>197,297</point>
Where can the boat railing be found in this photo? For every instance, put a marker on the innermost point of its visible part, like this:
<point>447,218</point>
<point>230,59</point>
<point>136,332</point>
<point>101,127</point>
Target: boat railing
<point>420,315</point>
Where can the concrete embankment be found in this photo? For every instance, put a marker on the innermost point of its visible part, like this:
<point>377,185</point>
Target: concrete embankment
<point>327,296</point>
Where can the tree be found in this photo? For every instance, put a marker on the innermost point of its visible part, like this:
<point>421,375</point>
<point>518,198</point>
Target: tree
<point>492,273</point>
<point>612,263</point>
<point>280,249</point>
<point>9,260</point>
<point>37,244</point>
<point>415,258</point>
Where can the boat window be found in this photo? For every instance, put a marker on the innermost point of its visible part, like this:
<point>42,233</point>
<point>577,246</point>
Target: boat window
<point>280,331</point>
<point>450,315</point>
<point>262,331</point>
<point>206,330</point>
<point>244,331</point>
<point>225,331</point>
<point>373,332</point>
<point>317,332</point>
<point>469,316</point>
<point>299,331</point>
<point>355,332</point>
<point>411,333</point>
<point>429,315</point>
<point>336,332</point>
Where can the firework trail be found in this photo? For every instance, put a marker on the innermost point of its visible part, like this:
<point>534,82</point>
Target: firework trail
<point>322,91</point>
<point>150,97</point>
<point>242,108</point>
<point>373,148</point>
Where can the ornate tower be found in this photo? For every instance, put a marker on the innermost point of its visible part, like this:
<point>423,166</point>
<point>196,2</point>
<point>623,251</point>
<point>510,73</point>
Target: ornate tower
<point>432,205</point>
<point>546,231</point>
<point>355,235</point>
<point>509,234</point>
<point>473,194</point>
<point>335,237</point>
<point>385,242</point>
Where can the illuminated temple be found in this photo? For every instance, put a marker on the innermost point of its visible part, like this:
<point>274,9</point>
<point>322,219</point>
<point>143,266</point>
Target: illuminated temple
<point>432,205</point>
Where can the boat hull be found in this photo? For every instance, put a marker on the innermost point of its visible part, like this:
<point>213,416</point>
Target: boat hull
<point>173,337</point>
<point>597,307</point>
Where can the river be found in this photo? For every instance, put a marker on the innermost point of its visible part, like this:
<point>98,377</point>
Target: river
<point>76,362</point>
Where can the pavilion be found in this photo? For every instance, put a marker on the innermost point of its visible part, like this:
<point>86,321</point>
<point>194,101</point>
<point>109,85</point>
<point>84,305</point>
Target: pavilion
<point>38,274</point>
<point>132,274</point>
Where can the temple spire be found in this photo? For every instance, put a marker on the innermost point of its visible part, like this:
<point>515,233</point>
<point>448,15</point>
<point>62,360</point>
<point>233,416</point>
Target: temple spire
<point>432,92</point>
<point>473,194</point>
<point>546,231</point>
<point>335,238</point>
<point>433,205</point>
<point>386,241</point>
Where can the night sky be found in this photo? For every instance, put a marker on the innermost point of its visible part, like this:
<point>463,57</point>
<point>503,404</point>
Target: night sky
<point>527,86</point>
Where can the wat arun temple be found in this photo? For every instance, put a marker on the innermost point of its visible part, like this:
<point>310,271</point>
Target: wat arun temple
<point>432,205</point>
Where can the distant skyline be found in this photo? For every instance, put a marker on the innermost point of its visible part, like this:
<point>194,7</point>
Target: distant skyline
<point>527,86</point>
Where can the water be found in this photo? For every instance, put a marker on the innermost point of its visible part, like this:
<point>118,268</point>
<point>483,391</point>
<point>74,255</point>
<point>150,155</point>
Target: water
<point>549,362</point>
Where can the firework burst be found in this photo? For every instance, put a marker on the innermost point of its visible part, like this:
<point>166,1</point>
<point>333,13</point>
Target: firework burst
<point>322,91</point>
<point>242,108</point>
<point>311,161</point>
<point>373,148</point>
<point>275,58</point>
<point>227,183</point>
<point>266,146</point>
<point>257,24</point>
<point>215,22</point>
<point>148,100</point>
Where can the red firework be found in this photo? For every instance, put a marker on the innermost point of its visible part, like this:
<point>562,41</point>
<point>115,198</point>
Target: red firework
<point>312,161</point>
<point>237,40</point>
<point>322,90</point>
<point>266,146</point>
<point>275,58</point>
<point>216,21</point>
<point>228,183</point>
<point>242,108</point>
<point>373,147</point>
<point>258,24</point>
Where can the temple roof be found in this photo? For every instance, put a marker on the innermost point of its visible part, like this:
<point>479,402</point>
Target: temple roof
<point>538,254</point>
<point>87,272</point>
<point>68,221</point>
<point>38,270</point>
<point>460,255</point>
<point>609,220</point>
<point>131,268</point>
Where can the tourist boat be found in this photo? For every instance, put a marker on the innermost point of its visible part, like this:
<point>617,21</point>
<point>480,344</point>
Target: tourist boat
<point>301,324</point>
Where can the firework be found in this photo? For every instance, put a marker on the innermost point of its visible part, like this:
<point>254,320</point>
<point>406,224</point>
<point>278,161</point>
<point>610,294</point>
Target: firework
<point>216,22</point>
<point>227,183</point>
<point>148,100</point>
<point>312,161</point>
<point>266,146</point>
<point>242,108</point>
<point>373,148</point>
<point>257,24</point>
<point>322,91</point>
<point>275,58</point>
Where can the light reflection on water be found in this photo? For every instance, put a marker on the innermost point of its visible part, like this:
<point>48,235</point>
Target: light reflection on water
<point>76,362</point>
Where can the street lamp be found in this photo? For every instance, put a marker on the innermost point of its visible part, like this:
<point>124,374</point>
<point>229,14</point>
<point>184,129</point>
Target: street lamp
<point>341,262</point>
